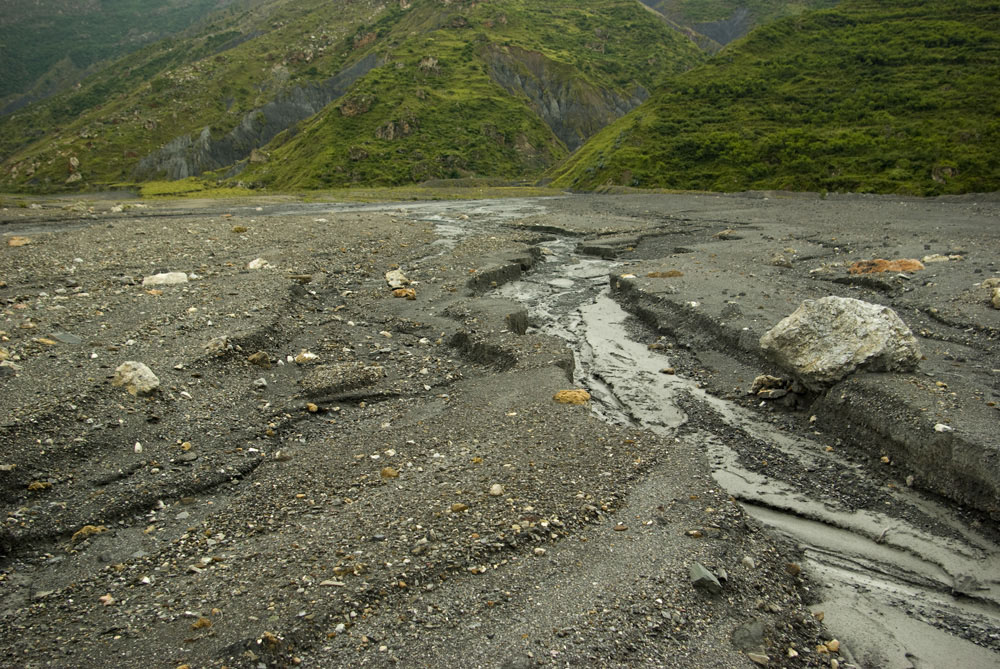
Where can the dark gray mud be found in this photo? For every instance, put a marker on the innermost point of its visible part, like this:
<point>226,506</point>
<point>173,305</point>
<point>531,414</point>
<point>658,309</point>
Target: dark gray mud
<point>415,497</point>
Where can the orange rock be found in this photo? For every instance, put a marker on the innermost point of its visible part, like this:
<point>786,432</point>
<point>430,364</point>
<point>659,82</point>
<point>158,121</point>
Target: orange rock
<point>408,293</point>
<point>880,265</point>
<point>572,397</point>
<point>669,274</point>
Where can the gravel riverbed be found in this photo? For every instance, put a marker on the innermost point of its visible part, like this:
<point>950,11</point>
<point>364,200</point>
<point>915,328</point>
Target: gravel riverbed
<point>331,475</point>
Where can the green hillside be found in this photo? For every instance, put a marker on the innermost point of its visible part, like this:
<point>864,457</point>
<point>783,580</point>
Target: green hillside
<point>351,92</point>
<point>868,97</point>
<point>47,43</point>
<point>498,89</point>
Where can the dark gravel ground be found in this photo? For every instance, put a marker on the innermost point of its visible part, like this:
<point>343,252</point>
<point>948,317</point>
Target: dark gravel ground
<point>414,496</point>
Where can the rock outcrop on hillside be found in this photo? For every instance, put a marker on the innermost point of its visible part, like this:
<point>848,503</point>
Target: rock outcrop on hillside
<point>572,107</point>
<point>190,155</point>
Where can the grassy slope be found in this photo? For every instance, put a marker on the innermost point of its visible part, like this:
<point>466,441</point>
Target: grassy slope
<point>452,120</point>
<point>703,11</point>
<point>869,97</point>
<point>466,123</point>
<point>179,85</point>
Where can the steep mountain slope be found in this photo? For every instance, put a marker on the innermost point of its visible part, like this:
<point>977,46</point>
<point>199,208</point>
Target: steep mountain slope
<point>888,97</point>
<point>726,20</point>
<point>349,92</point>
<point>46,45</point>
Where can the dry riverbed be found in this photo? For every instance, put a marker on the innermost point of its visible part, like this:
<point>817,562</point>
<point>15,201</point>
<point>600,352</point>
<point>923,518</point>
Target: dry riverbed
<point>329,474</point>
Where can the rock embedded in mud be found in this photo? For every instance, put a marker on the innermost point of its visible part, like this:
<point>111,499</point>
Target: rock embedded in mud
<point>826,340</point>
<point>165,279</point>
<point>879,265</point>
<point>137,378</point>
<point>703,579</point>
<point>572,397</point>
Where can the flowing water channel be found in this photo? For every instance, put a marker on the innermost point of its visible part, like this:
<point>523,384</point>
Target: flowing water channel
<point>896,594</point>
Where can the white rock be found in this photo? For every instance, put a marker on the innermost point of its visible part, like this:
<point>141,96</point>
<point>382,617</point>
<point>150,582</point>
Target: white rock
<point>137,378</point>
<point>258,263</point>
<point>496,490</point>
<point>396,279</point>
<point>825,340</point>
<point>941,427</point>
<point>996,298</point>
<point>165,279</point>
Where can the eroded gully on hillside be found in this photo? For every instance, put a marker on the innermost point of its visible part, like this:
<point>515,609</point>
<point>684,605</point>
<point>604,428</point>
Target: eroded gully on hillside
<point>897,594</point>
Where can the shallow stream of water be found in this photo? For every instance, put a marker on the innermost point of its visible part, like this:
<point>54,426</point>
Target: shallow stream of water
<point>897,596</point>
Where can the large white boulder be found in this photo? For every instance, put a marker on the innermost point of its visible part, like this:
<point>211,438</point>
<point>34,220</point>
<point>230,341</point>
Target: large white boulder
<point>827,339</point>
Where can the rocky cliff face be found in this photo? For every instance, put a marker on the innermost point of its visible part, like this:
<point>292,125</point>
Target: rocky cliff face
<point>568,104</point>
<point>727,30</point>
<point>188,155</point>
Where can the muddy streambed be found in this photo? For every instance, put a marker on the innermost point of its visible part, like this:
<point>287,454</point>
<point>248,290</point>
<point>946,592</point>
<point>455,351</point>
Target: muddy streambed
<point>892,589</point>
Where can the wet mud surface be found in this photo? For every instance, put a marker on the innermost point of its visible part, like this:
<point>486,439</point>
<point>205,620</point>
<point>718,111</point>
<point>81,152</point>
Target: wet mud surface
<point>413,495</point>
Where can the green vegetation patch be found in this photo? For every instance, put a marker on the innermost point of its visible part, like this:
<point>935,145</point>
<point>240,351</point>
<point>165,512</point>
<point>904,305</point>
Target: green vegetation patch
<point>870,97</point>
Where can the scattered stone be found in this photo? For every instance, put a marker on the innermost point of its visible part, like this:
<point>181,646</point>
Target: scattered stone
<point>879,265</point>
<point>260,383</point>
<point>539,552</point>
<point>301,279</point>
<point>827,339</point>
<point>458,507</point>
<point>779,260</point>
<point>995,300</point>
<point>18,241</point>
<point>260,359</point>
<point>668,370</point>
<point>937,257</point>
<point>67,338</point>
<point>165,279</point>
<point>408,293</point>
<point>572,397</point>
<point>258,263</point>
<point>219,346</point>
<point>137,378</point>
<point>941,427</point>
<point>702,579</point>
<point>749,637</point>
<point>106,600</point>
<point>312,408</point>
<point>766,382</point>
<point>759,658</point>
<point>833,646</point>
<point>239,229</point>
<point>496,490</point>
<point>38,486</point>
<point>669,274</point>
<point>793,569</point>
<point>87,531</point>
<point>389,473</point>
<point>749,563</point>
<point>333,379</point>
<point>306,358</point>
<point>396,279</point>
<point>517,321</point>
